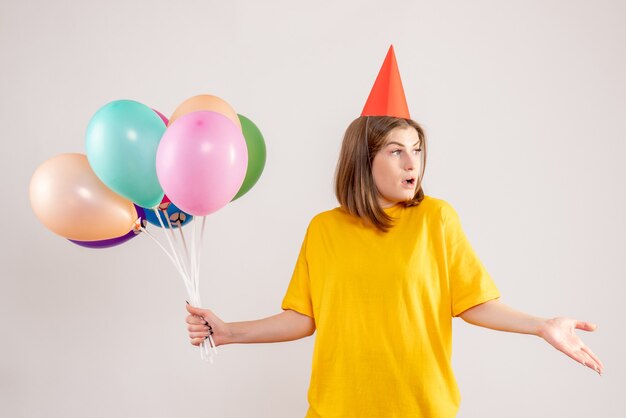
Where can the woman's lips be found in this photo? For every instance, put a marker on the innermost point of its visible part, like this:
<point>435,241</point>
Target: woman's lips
<point>406,184</point>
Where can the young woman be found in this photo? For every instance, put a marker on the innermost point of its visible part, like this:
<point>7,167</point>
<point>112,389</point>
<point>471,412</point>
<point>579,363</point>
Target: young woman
<point>379,279</point>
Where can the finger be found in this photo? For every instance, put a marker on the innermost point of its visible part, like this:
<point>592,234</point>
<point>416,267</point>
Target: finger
<point>197,311</point>
<point>193,310</point>
<point>574,355</point>
<point>589,362</point>
<point>201,334</point>
<point>194,320</point>
<point>197,328</point>
<point>594,357</point>
<point>586,360</point>
<point>197,341</point>
<point>586,326</point>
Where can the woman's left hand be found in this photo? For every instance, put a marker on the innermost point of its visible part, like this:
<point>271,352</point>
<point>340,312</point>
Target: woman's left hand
<point>559,332</point>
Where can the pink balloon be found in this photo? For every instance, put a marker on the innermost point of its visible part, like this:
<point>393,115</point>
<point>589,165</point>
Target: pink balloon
<point>201,162</point>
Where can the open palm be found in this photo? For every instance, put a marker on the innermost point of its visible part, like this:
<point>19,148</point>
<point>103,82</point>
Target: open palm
<point>560,333</point>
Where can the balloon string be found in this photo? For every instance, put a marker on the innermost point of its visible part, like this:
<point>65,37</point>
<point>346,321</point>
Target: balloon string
<point>205,354</point>
<point>184,262</point>
<point>170,231</point>
<point>212,345</point>
<point>182,238</point>
<point>195,254</point>
<point>157,242</point>
<point>175,253</point>
<point>182,274</point>
<point>193,257</point>
<point>191,282</point>
<point>197,274</point>
<point>200,247</point>
<point>176,260</point>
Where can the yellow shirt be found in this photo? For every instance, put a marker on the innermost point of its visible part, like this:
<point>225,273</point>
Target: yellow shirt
<point>383,305</point>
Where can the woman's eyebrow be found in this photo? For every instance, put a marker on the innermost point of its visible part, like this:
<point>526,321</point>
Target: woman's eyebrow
<point>399,144</point>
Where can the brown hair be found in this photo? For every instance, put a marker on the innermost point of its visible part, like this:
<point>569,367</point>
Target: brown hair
<point>354,184</point>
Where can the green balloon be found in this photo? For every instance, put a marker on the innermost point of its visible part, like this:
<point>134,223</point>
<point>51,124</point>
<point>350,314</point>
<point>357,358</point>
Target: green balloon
<point>122,140</point>
<point>256,155</point>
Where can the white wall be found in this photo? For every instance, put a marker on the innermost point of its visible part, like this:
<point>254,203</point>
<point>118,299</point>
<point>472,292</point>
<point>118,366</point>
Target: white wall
<point>523,104</point>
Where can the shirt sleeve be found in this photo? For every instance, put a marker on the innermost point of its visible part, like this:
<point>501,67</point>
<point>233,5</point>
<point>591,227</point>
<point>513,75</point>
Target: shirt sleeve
<point>470,283</point>
<point>298,296</point>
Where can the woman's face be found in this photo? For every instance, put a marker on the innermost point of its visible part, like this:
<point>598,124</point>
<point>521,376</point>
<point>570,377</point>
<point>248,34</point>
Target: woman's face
<point>396,167</point>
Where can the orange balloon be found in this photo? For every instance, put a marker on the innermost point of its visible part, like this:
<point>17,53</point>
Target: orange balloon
<point>205,102</point>
<point>71,201</point>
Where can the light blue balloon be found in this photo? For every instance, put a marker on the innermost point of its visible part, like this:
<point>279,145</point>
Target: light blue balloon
<point>122,141</point>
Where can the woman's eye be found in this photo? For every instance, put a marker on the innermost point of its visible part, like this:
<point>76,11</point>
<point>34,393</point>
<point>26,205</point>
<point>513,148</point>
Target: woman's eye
<point>396,152</point>
<point>417,150</point>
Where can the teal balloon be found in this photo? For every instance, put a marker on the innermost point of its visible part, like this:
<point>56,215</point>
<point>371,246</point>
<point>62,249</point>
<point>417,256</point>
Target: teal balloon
<point>256,155</point>
<point>122,141</point>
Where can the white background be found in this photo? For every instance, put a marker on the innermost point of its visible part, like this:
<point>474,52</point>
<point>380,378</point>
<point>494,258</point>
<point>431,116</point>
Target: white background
<point>523,102</point>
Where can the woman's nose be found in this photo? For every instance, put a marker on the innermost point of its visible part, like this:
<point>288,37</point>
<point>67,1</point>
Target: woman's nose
<point>410,162</point>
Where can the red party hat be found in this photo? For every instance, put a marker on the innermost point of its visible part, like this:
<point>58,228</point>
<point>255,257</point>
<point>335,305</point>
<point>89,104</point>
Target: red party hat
<point>387,96</point>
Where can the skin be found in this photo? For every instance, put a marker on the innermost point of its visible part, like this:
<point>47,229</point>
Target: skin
<point>396,160</point>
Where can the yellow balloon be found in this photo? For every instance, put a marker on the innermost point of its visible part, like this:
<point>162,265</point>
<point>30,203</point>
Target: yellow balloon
<point>205,102</point>
<point>71,201</point>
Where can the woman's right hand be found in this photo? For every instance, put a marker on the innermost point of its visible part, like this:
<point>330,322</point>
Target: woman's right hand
<point>202,322</point>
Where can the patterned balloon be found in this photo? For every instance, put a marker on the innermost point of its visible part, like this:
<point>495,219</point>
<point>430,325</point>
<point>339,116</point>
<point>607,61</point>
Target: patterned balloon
<point>177,217</point>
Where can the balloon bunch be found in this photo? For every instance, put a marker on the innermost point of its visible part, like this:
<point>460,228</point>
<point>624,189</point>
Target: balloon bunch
<point>141,168</point>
